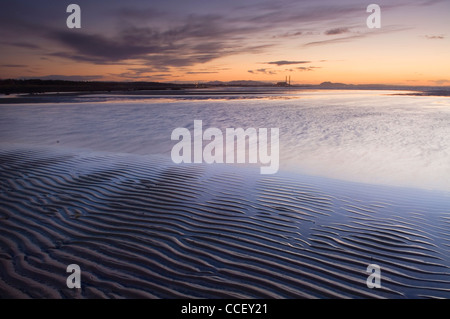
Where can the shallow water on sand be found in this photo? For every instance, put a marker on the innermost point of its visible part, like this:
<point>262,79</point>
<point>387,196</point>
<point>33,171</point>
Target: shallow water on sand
<point>363,136</point>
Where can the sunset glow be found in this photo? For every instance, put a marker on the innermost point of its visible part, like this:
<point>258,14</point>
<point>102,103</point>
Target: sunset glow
<point>192,41</point>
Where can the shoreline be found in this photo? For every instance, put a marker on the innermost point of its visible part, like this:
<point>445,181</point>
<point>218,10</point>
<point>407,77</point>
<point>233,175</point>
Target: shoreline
<point>209,92</point>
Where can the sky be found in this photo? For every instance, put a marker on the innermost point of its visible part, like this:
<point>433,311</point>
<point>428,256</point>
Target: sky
<point>201,41</point>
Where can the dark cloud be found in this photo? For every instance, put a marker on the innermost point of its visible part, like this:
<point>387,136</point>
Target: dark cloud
<point>26,45</point>
<point>201,72</point>
<point>199,39</point>
<point>92,47</point>
<point>435,37</point>
<point>141,77</point>
<point>271,72</point>
<point>385,30</point>
<point>337,31</point>
<point>287,13</point>
<point>143,73</point>
<point>141,70</point>
<point>283,62</point>
<point>335,40</point>
<point>288,35</point>
<point>262,71</point>
<point>429,2</point>
<point>14,65</point>
<point>309,68</point>
<point>136,14</point>
<point>68,77</point>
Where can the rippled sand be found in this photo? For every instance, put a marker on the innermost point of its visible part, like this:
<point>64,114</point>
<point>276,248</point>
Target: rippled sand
<point>140,226</point>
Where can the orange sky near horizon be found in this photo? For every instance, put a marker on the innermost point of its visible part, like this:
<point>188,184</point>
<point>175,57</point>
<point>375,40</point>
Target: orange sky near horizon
<point>310,42</point>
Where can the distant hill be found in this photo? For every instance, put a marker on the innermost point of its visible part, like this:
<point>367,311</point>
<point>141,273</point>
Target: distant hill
<point>334,85</point>
<point>35,86</point>
<point>239,83</point>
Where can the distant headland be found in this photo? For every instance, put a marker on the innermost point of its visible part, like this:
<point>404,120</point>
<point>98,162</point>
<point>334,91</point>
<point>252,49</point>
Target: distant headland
<point>37,87</point>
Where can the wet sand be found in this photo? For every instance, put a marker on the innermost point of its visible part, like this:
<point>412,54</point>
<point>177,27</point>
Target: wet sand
<point>142,227</point>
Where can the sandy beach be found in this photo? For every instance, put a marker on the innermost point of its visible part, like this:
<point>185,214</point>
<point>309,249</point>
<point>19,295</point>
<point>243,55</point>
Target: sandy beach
<point>362,181</point>
<point>141,228</point>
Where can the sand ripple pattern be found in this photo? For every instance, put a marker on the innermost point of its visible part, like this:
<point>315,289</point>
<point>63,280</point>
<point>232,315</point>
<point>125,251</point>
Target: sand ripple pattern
<point>143,227</point>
